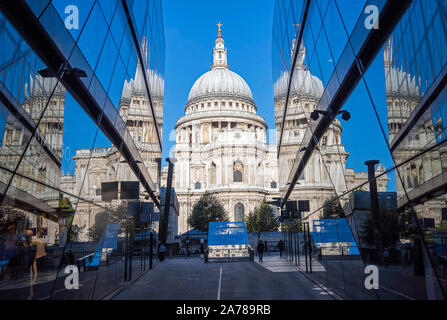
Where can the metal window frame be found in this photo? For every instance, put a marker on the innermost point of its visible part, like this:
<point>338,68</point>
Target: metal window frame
<point>34,33</point>
<point>390,15</point>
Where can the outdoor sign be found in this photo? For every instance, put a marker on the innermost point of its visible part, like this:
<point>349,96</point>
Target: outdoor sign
<point>109,191</point>
<point>303,206</point>
<point>130,190</point>
<point>291,206</point>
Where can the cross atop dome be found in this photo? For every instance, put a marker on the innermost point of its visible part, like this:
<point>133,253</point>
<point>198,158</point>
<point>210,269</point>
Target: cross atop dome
<point>219,35</point>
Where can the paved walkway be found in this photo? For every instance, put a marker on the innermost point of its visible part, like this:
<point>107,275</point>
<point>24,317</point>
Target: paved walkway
<point>191,279</point>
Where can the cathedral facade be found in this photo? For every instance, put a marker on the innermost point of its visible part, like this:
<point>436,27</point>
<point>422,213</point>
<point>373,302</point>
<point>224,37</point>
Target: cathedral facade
<point>221,144</point>
<point>95,166</point>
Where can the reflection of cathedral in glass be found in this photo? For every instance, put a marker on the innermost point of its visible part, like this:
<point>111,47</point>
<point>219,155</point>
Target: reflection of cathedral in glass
<point>326,170</point>
<point>106,164</point>
<point>42,158</point>
<point>403,92</point>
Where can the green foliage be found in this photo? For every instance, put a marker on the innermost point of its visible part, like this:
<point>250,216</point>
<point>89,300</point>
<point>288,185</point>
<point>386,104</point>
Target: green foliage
<point>262,219</point>
<point>442,226</point>
<point>75,232</point>
<point>117,215</point>
<point>394,226</point>
<point>294,226</point>
<point>332,209</point>
<point>207,209</point>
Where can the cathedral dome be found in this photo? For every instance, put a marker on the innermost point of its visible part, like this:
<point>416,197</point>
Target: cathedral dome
<point>303,84</point>
<point>220,82</point>
<point>401,83</point>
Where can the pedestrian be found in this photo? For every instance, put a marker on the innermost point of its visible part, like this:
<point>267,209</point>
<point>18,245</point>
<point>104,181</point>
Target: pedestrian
<point>29,256</point>
<point>386,257</point>
<point>162,250</point>
<point>40,252</point>
<point>260,250</point>
<point>202,250</point>
<point>280,247</point>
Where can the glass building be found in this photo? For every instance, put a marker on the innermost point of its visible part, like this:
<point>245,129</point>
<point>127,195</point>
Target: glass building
<point>81,104</point>
<point>361,85</point>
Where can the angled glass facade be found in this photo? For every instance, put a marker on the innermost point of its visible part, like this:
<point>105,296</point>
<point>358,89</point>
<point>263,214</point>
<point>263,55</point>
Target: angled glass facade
<point>356,82</point>
<point>81,104</point>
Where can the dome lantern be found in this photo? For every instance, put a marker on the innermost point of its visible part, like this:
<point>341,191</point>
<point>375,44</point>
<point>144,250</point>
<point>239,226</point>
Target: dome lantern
<point>220,82</point>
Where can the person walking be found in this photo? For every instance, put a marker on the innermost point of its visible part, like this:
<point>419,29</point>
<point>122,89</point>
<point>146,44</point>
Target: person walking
<point>40,252</point>
<point>260,250</point>
<point>202,250</point>
<point>280,247</point>
<point>162,250</point>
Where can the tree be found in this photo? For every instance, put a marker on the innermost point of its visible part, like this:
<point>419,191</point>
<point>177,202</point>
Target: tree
<point>294,226</point>
<point>74,233</point>
<point>118,215</point>
<point>207,209</point>
<point>394,226</point>
<point>262,219</point>
<point>332,209</point>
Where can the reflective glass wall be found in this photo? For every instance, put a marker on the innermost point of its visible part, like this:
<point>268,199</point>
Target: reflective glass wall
<point>359,91</point>
<point>77,111</point>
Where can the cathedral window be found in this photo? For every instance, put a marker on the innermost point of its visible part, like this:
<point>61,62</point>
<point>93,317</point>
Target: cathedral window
<point>239,212</point>
<point>237,176</point>
<point>198,186</point>
<point>213,174</point>
<point>231,104</point>
<point>223,104</point>
<point>273,185</point>
<point>216,104</point>
<point>238,168</point>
